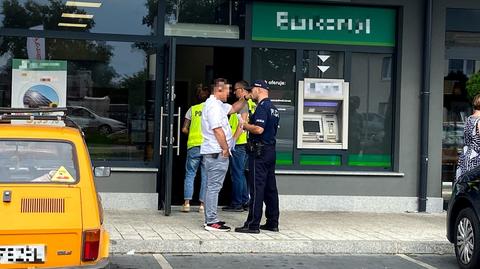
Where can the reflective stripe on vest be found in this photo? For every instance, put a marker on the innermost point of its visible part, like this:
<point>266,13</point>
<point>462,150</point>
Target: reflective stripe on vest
<point>195,137</point>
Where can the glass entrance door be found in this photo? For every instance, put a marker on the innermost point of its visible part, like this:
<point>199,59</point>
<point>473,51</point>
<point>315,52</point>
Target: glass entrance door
<point>169,142</point>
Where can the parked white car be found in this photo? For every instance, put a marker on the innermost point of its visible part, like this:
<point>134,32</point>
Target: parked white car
<point>91,122</point>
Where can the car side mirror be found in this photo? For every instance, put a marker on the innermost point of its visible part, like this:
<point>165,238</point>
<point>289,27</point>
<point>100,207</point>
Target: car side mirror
<point>102,171</point>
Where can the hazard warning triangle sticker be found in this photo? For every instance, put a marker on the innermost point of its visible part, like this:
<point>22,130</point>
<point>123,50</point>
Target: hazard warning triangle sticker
<point>62,175</point>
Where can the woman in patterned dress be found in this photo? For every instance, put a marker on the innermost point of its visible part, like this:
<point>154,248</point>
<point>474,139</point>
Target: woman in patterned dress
<point>470,156</point>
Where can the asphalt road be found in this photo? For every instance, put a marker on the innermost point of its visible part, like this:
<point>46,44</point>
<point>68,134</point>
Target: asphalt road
<point>232,261</point>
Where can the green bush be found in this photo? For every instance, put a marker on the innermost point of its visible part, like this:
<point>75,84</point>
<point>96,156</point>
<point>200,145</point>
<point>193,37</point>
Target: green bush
<point>473,85</point>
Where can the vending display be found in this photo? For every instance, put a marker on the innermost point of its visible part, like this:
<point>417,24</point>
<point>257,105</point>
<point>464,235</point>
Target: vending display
<point>323,114</point>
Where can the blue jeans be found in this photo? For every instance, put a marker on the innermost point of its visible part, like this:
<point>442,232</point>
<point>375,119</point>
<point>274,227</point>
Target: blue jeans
<point>239,182</point>
<point>216,169</point>
<point>194,159</point>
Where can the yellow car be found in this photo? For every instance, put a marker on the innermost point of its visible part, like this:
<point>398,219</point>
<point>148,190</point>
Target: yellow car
<point>50,213</point>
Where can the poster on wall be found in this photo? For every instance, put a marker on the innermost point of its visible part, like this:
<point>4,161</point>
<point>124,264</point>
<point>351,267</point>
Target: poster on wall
<point>39,84</point>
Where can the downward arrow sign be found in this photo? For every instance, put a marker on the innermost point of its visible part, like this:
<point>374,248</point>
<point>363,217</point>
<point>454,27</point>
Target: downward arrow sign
<point>323,68</point>
<point>323,57</point>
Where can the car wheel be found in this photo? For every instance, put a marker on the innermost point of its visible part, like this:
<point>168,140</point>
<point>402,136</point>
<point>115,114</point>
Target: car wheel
<point>105,130</point>
<point>467,239</point>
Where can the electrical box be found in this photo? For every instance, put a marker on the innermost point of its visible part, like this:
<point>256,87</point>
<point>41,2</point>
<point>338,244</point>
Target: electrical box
<point>322,114</point>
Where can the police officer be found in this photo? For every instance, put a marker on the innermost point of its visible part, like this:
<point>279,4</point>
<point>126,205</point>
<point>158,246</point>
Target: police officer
<point>262,126</point>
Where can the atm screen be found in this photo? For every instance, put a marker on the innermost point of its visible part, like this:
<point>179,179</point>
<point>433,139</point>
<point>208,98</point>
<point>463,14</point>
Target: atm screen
<point>311,126</point>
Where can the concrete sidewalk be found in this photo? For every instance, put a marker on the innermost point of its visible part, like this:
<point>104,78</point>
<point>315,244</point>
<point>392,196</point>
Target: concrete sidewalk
<point>300,232</point>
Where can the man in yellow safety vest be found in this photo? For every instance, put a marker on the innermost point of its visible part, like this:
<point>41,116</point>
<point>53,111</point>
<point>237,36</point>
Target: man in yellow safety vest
<point>192,128</point>
<point>238,160</point>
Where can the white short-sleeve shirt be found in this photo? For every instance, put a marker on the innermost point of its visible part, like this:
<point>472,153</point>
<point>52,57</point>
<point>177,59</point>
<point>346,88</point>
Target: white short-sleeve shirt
<point>214,115</point>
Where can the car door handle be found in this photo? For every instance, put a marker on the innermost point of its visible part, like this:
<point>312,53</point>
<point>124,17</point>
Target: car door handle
<point>7,196</point>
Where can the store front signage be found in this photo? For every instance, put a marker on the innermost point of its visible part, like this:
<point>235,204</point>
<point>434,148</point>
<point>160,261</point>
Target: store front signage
<point>39,84</point>
<point>323,24</point>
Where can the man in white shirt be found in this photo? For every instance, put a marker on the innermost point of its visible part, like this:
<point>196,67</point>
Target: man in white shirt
<point>215,149</point>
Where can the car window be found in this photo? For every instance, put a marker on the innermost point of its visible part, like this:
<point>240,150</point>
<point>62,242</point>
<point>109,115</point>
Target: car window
<point>80,113</point>
<point>37,162</point>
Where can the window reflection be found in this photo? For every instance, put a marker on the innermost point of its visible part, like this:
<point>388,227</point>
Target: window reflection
<point>108,16</point>
<point>277,67</point>
<point>460,64</point>
<point>110,92</point>
<point>370,112</point>
<point>205,18</point>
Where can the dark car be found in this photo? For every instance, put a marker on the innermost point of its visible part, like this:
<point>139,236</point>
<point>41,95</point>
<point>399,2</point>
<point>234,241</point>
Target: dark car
<point>463,223</point>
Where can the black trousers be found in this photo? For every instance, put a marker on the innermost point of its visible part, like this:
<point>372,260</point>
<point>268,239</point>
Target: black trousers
<point>263,188</point>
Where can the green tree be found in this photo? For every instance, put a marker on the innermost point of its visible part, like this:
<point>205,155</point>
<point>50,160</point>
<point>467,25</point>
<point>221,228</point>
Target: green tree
<point>473,85</point>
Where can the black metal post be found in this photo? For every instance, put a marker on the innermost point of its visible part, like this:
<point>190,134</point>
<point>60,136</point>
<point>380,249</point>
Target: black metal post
<point>424,109</point>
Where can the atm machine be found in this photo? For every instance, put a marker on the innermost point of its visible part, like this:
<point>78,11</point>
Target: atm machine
<point>322,114</point>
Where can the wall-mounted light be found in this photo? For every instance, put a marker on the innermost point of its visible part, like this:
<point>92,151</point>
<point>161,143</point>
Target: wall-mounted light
<point>77,16</point>
<point>82,4</point>
<point>78,25</point>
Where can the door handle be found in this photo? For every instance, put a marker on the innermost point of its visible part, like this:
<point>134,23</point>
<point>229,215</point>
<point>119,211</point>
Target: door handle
<point>171,139</point>
<point>178,115</point>
<point>161,129</point>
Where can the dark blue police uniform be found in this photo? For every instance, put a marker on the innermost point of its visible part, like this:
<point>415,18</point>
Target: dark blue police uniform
<point>261,163</point>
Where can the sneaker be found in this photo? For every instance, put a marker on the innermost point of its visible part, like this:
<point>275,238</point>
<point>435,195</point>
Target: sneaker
<point>185,208</point>
<point>247,230</point>
<point>269,228</point>
<point>217,227</point>
<point>232,208</point>
<point>201,209</point>
<point>220,222</point>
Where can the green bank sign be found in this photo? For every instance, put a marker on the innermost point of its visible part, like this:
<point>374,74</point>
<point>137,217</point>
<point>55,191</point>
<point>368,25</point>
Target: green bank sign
<point>323,24</point>
<point>39,65</point>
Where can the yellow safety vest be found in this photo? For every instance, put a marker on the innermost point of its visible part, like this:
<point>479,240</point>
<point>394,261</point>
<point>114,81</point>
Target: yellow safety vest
<point>251,106</point>
<point>242,139</point>
<point>195,137</point>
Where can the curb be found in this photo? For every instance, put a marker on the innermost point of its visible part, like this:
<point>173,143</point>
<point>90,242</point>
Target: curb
<point>281,247</point>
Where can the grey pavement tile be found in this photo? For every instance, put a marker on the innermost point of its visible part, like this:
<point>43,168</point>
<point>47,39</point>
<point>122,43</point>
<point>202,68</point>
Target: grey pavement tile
<point>132,237</point>
<point>243,237</point>
<point>191,236</point>
<point>223,235</point>
<point>151,237</point>
<point>262,236</point>
<point>170,236</point>
<point>205,235</point>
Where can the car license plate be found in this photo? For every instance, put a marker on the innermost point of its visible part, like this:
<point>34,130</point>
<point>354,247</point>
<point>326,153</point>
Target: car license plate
<point>22,254</point>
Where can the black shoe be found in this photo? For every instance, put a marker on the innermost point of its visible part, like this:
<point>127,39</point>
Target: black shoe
<point>232,208</point>
<point>247,230</point>
<point>220,222</point>
<point>246,207</point>
<point>268,228</point>
<point>217,227</point>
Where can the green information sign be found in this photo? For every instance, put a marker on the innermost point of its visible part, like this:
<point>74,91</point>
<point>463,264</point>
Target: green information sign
<point>39,65</point>
<point>324,24</point>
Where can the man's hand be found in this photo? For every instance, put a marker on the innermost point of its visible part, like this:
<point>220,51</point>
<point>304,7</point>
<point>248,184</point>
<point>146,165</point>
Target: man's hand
<point>253,129</point>
<point>222,140</point>
<point>225,153</point>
